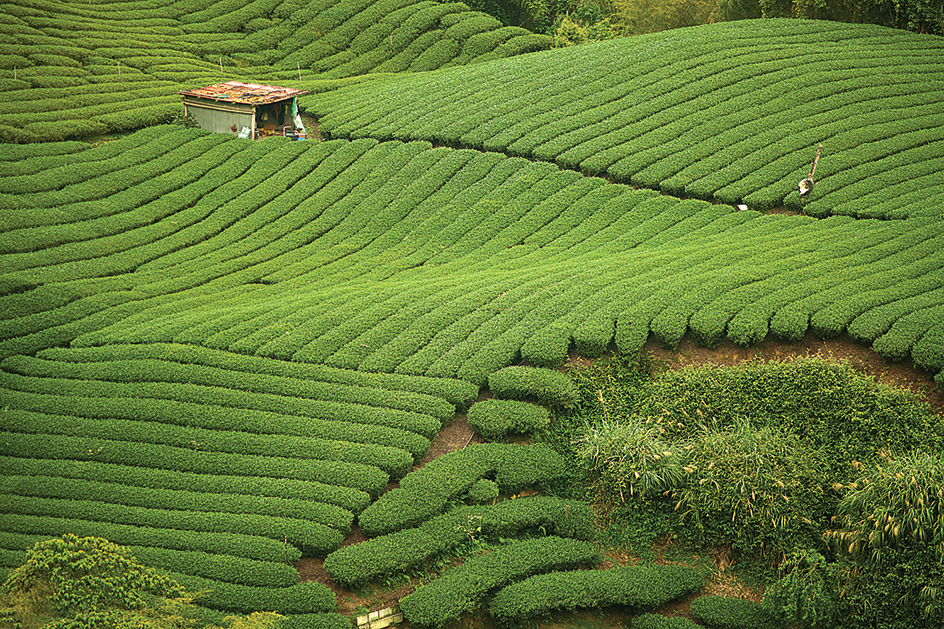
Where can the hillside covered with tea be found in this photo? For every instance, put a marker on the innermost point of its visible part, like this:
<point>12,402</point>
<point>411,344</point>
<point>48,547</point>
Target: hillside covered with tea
<point>221,352</point>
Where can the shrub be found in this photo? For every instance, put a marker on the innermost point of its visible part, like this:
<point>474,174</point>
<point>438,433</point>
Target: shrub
<point>85,573</point>
<point>896,501</point>
<point>720,612</point>
<point>657,621</point>
<point>299,598</point>
<point>639,587</point>
<point>495,419</point>
<point>483,491</point>
<point>741,477</point>
<point>809,593</point>
<point>630,459</point>
<point>425,492</point>
<point>316,621</point>
<point>462,588</point>
<point>550,388</point>
<point>404,551</point>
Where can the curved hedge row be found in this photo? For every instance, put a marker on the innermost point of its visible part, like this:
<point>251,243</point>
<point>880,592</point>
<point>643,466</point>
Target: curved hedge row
<point>217,488</point>
<point>462,588</point>
<point>406,550</point>
<point>639,587</point>
<point>217,566</point>
<point>400,257</point>
<point>189,458</point>
<point>438,397</point>
<point>123,524</point>
<point>547,387</point>
<point>103,70</point>
<point>311,537</point>
<point>494,419</point>
<point>191,500</point>
<point>424,493</point>
<point>706,112</point>
<point>89,421</point>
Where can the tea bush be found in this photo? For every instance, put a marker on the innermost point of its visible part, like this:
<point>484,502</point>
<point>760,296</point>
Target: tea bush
<point>658,621</point>
<point>638,587</point>
<point>720,612</point>
<point>461,589</point>
<point>494,419</point>
<point>185,500</point>
<point>550,388</point>
<point>411,549</point>
<point>640,123</point>
<point>214,487</point>
<point>424,493</point>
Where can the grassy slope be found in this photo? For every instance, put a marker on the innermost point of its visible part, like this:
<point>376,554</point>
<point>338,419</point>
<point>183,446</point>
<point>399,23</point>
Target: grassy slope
<point>73,69</point>
<point>729,112</point>
<point>140,274</point>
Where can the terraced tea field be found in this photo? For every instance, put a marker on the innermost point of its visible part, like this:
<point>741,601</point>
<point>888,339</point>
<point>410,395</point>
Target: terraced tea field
<point>220,352</point>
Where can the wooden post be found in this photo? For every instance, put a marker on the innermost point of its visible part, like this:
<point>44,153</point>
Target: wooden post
<point>816,160</point>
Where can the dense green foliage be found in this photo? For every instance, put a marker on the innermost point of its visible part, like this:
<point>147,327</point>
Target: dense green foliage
<point>91,583</point>
<point>495,419</point>
<point>719,612</point>
<point>788,459</point>
<point>75,71</point>
<point>923,16</point>
<point>658,621</point>
<point>637,587</point>
<point>426,492</point>
<point>730,112</point>
<point>461,589</point>
<point>88,573</point>
<point>411,549</point>
<point>897,501</point>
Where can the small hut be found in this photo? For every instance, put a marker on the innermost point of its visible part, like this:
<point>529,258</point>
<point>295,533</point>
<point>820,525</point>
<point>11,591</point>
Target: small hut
<point>248,110</point>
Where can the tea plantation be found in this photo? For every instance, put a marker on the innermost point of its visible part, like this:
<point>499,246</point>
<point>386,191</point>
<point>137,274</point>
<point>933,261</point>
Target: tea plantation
<point>220,353</point>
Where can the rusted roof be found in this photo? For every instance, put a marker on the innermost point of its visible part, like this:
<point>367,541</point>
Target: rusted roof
<point>248,93</point>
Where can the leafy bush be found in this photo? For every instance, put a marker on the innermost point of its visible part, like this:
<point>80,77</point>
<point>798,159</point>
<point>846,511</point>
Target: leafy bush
<point>462,588</point>
<point>484,491</point>
<point>86,573</point>
<point>896,501</point>
<point>809,593</point>
<point>550,388</point>
<point>720,612</point>
<point>425,492</point>
<point>637,587</point>
<point>411,549</point>
<point>299,598</point>
<point>743,477</point>
<point>630,459</point>
<point>657,621</point>
<point>495,419</point>
<point>829,404</point>
<point>317,621</point>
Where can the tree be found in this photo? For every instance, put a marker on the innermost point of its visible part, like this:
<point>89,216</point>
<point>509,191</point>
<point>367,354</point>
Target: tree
<point>921,16</point>
<point>90,583</point>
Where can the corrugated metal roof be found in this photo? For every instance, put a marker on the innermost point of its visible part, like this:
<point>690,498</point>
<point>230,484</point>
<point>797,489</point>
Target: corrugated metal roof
<point>248,93</point>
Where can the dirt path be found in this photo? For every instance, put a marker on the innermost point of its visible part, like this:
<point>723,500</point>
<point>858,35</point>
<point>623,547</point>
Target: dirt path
<point>455,435</point>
